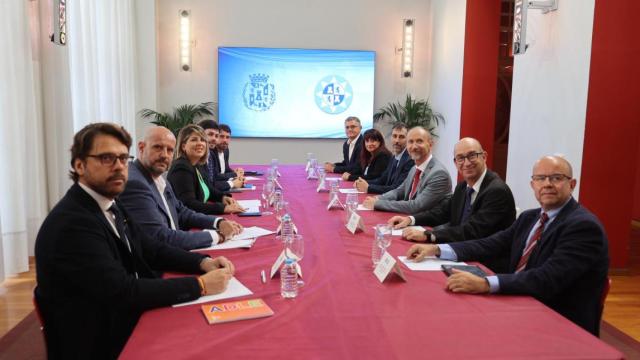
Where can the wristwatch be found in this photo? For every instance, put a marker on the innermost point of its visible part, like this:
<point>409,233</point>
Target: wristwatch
<point>431,237</point>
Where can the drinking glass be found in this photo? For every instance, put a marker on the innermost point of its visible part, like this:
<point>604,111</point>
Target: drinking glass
<point>265,197</point>
<point>352,204</point>
<point>281,207</point>
<point>381,242</point>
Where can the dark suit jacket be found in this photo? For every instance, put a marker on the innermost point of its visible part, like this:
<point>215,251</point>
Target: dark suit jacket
<point>567,269</point>
<point>88,293</point>
<point>393,176</point>
<point>493,210</point>
<point>377,165</point>
<point>142,199</point>
<point>347,165</point>
<point>214,163</point>
<point>226,173</point>
<point>185,183</point>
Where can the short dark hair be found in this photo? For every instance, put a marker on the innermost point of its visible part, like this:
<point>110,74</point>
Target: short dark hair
<point>399,125</point>
<point>225,128</point>
<point>208,124</point>
<point>83,142</point>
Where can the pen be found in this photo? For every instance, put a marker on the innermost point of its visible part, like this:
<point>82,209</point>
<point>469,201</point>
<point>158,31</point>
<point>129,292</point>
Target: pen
<point>263,277</point>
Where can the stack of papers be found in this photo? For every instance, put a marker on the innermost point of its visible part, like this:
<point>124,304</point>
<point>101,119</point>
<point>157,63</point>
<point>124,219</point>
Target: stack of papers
<point>350,191</point>
<point>243,240</point>
<point>250,205</point>
<point>430,263</point>
<point>234,289</point>
<point>398,232</point>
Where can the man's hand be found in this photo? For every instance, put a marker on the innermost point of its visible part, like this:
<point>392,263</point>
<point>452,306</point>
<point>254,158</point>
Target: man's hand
<point>399,222</point>
<point>228,200</point>
<point>229,228</point>
<point>208,264</point>
<point>328,167</point>
<point>216,281</point>
<point>233,208</point>
<point>417,252</point>
<point>361,185</point>
<point>370,202</point>
<point>466,282</point>
<point>414,235</point>
<point>345,176</point>
<point>239,172</point>
<point>237,183</point>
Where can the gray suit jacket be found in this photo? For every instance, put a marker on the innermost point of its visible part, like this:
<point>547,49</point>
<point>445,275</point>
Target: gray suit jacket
<point>434,186</point>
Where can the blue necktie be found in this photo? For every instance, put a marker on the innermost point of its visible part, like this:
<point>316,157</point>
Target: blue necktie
<point>466,210</point>
<point>211,167</point>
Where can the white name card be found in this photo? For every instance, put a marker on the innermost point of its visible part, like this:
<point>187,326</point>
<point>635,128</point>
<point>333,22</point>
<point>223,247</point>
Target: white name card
<point>276,266</point>
<point>355,223</point>
<point>386,266</point>
<point>335,202</point>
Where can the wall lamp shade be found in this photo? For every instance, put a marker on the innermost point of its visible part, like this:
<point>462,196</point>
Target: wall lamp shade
<point>408,35</point>
<point>520,9</point>
<point>59,14</point>
<point>185,40</point>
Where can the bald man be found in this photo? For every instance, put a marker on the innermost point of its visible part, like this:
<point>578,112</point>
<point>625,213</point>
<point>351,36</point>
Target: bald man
<point>558,253</point>
<point>481,205</point>
<point>151,200</point>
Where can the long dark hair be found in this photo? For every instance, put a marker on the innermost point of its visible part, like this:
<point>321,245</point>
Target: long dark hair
<point>365,156</point>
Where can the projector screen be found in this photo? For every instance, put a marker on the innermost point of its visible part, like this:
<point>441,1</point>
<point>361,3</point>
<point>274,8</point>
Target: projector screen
<point>294,93</point>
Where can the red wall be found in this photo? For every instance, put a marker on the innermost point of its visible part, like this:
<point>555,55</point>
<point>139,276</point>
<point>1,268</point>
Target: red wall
<point>612,131</point>
<point>480,72</point>
<point>636,198</point>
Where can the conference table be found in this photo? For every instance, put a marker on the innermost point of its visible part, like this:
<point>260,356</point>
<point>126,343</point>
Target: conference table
<point>344,312</point>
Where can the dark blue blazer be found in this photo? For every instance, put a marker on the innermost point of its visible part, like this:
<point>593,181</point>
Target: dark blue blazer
<point>91,288</point>
<point>226,173</point>
<point>142,200</point>
<point>393,176</point>
<point>347,165</point>
<point>214,178</point>
<point>186,185</point>
<point>493,210</point>
<point>567,270</point>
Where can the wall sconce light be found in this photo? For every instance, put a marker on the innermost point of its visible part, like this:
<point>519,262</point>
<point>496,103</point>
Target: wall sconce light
<point>408,35</point>
<point>59,13</point>
<point>520,21</point>
<point>185,40</point>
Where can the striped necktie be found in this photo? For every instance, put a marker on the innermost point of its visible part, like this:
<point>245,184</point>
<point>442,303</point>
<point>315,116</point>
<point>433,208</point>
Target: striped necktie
<point>532,243</point>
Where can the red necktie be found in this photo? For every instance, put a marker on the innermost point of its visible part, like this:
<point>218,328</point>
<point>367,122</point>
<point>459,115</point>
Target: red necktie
<point>532,243</point>
<point>414,184</point>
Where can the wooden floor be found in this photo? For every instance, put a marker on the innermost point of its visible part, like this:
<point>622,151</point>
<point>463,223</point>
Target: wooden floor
<point>621,308</point>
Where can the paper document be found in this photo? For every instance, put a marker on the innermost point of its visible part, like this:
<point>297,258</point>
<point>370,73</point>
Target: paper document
<point>234,289</point>
<point>350,191</point>
<point>398,232</point>
<point>243,240</point>
<point>250,205</point>
<point>252,178</point>
<point>251,233</point>
<point>362,208</point>
<point>430,263</point>
<point>251,188</point>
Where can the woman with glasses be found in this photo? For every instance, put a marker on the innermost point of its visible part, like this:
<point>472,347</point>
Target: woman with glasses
<point>188,175</point>
<point>373,159</point>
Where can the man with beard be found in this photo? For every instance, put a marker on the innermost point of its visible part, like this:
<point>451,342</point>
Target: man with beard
<point>397,169</point>
<point>426,185</point>
<point>150,199</point>
<point>212,131</point>
<point>96,269</point>
<point>222,155</point>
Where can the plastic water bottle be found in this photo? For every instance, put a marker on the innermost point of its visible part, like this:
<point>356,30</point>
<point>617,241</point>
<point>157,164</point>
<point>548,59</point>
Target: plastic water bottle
<point>286,228</point>
<point>289,279</point>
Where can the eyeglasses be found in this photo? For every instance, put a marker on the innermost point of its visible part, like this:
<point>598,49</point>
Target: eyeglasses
<point>349,127</point>
<point>109,159</point>
<point>553,178</point>
<point>470,156</point>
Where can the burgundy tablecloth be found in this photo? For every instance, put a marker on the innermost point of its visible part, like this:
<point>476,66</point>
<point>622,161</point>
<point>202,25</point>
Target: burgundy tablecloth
<point>344,312</point>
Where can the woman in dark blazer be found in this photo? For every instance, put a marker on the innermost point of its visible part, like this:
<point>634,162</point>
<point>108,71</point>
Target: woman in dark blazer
<point>374,158</point>
<point>188,175</point>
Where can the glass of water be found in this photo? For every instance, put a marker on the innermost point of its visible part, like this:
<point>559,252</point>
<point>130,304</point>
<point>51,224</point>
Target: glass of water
<point>265,197</point>
<point>381,242</point>
<point>352,204</point>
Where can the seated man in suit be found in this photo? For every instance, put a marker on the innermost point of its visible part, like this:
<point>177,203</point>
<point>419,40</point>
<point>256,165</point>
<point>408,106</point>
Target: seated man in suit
<point>398,167</point>
<point>558,253</point>
<point>150,199</point>
<point>481,205</point>
<point>224,171</point>
<point>350,149</point>
<point>96,268</point>
<point>426,185</point>
<point>212,131</point>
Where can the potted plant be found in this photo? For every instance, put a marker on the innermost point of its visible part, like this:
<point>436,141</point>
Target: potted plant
<point>414,112</point>
<point>181,116</point>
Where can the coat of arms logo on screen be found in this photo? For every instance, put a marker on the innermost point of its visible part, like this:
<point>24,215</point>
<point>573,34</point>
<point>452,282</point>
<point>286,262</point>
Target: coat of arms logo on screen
<point>333,94</point>
<point>258,93</point>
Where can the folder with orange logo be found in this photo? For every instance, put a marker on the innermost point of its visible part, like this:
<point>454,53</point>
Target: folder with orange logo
<point>236,310</point>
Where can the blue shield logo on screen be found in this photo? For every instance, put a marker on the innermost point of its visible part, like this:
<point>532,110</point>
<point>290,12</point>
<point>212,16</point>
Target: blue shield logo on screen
<point>333,94</point>
<point>258,93</point>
